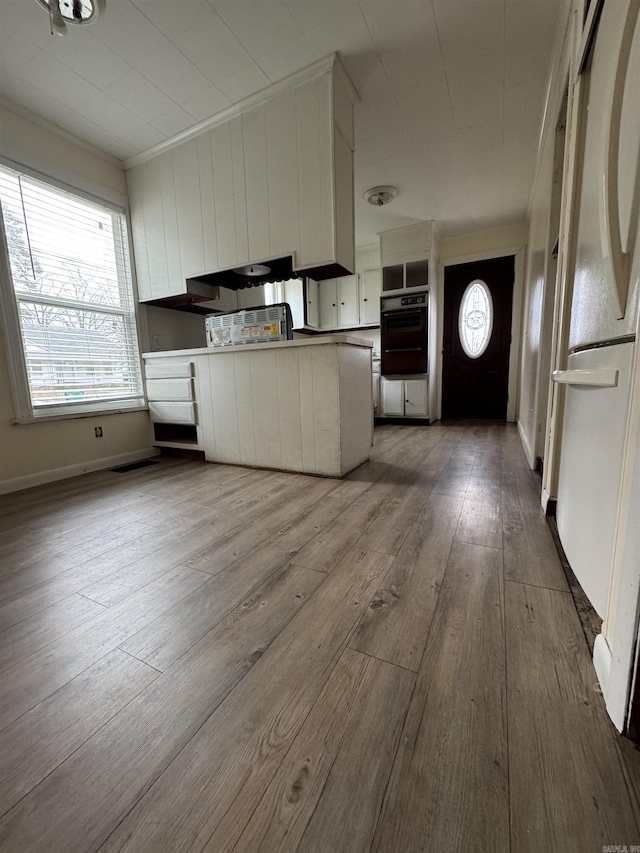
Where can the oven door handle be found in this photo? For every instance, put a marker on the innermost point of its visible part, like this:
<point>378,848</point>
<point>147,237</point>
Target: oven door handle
<point>405,349</point>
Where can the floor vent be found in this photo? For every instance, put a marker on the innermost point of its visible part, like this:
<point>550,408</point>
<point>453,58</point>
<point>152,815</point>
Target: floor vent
<point>132,466</point>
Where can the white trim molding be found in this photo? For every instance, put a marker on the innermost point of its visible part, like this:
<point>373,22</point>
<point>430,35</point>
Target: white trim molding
<point>322,66</point>
<point>602,665</point>
<point>16,484</point>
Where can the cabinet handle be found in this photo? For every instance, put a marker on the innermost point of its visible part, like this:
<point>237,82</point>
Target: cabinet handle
<point>333,304</point>
<point>365,299</point>
<point>342,303</point>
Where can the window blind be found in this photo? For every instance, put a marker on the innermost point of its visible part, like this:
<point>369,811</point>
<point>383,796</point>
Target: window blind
<point>69,261</point>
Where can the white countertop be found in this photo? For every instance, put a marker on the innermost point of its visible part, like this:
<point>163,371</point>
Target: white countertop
<point>315,340</point>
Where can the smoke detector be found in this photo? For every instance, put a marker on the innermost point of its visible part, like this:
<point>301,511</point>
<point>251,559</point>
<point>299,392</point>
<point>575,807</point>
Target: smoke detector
<point>378,196</point>
<point>63,12</point>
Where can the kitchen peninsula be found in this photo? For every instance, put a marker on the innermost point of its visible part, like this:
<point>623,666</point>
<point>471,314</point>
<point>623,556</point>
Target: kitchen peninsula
<point>300,405</point>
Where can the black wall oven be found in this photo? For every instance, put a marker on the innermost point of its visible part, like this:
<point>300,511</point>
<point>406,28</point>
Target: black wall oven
<point>403,324</point>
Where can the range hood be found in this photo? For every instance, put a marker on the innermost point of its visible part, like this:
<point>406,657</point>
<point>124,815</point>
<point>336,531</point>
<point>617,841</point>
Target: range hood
<point>206,287</point>
<point>250,275</point>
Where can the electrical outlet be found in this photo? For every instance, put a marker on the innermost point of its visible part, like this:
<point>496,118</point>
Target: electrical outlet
<point>98,432</point>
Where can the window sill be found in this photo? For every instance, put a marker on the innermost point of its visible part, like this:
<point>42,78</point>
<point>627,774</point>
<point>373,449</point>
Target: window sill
<point>67,416</point>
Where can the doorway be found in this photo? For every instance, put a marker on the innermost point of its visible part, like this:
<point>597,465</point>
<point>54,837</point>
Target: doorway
<point>478,302</point>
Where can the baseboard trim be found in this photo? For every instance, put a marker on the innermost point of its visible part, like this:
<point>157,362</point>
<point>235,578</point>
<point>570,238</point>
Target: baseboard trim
<point>602,665</point>
<point>527,447</point>
<point>39,479</point>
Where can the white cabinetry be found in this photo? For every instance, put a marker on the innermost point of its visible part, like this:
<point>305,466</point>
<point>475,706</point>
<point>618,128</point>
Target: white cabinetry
<point>272,181</point>
<point>370,289</point>
<point>404,397</point>
<point>328,299</point>
<point>171,392</point>
<point>312,309</point>
<point>350,301</point>
<point>347,293</point>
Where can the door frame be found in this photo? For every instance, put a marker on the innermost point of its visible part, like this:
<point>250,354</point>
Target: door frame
<point>519,257</point>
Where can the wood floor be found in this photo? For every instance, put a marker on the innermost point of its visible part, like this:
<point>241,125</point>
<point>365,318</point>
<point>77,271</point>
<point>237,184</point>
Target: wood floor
<point>205,658</point>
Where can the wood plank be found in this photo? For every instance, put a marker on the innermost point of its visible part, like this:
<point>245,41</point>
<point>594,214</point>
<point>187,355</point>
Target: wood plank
<point>326,549</point>
<point>78,805</point>
<point>36,677</point>
<point>38,631</point>
<point>233,757</point>
<point>530,555</point>
<point>328,790</point>
<point>563,766</point>
<point>35,744</point>
<point>396,623</point>
<point>36,596</point>
<point>449,786</point>
<point>250,531</point>
<point>387,532</point>
<point>481,517</point>
<point>164,640</point>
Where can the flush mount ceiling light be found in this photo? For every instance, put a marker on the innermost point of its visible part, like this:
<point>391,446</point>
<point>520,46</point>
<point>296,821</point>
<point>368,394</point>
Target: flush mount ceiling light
<point>63,12</point>
<point>253,270</point>
<point>378,196</point>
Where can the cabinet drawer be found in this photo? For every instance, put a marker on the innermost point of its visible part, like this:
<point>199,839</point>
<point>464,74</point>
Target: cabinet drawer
<point>173,413</point>
<point>170,389</point>
<point>158,368</point>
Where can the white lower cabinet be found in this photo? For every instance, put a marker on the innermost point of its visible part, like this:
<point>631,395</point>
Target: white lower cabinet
<point>392,392</point>
<point>415,398</point>
<point>404,397</point>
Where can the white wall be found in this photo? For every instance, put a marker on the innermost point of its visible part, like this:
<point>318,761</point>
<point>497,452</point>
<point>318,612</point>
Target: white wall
<point>32,450</point>
<point>170,329</point>
<point>493,241</point>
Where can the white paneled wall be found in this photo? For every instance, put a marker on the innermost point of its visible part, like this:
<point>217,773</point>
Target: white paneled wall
<point>302,406</point>
<point>276,180</point>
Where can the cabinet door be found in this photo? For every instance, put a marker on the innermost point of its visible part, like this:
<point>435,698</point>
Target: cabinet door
<point>311,295</point>
<point>294,295</point>
<point>187,209</point>
<point>370,290</point>
<point>347,292</point>
<point>415,398</point>
<point>328,299</point>
<point>392,396</point>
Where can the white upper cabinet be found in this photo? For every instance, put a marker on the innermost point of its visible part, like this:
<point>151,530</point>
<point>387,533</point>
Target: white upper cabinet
<point>312,309</point>
<point>350,301</point>
<point>328,299</point>
<point>348,308</point>
<point>274,180</point>
<point>370,290</point>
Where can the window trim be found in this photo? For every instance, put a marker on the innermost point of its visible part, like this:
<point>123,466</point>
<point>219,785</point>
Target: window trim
<point>25,412</point>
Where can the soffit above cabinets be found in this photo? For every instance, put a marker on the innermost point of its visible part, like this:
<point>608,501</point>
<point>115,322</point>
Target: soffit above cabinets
<point>452,90</point>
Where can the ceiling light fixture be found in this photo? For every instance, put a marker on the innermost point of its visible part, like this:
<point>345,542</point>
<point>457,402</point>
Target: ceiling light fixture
<point>63,12</point>
<point>378,196</point>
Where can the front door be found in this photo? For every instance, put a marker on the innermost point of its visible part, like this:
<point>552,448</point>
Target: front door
<point>478,298</point>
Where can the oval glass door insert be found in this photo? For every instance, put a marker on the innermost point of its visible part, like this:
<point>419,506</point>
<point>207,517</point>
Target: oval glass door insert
<point>475,321</point>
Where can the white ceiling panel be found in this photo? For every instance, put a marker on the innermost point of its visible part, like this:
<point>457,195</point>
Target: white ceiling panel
<point>452,90</point>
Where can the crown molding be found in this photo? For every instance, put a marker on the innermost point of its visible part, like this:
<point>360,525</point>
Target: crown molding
<point>322,66</point>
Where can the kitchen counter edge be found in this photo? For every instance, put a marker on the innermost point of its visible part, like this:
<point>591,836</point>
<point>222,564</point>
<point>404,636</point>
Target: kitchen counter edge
<point>317,340</point>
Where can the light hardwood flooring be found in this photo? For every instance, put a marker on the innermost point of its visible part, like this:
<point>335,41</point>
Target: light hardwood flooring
<point>206,658</point>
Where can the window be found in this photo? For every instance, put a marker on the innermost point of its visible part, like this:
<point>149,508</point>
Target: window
<point>475,321</point>
<point>69,302</point>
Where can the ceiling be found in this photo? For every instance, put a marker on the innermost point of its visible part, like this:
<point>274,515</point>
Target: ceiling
<point>452,90</point>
